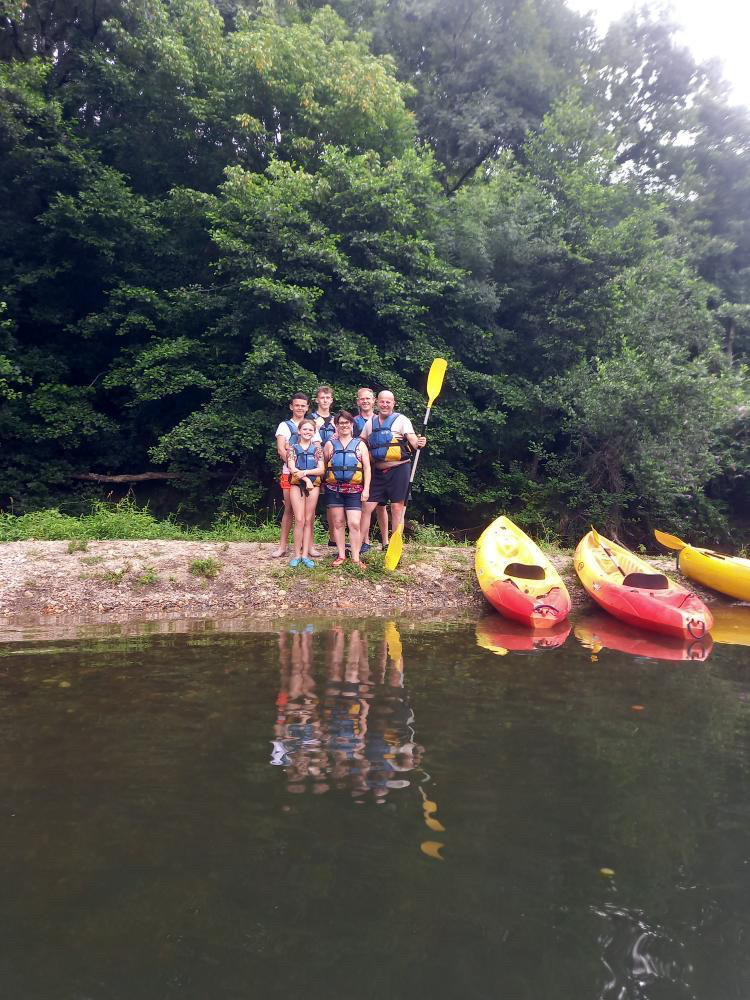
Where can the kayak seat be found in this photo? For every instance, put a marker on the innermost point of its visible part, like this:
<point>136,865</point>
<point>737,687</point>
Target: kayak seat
<point>648,581</point>
<point>524,572</point>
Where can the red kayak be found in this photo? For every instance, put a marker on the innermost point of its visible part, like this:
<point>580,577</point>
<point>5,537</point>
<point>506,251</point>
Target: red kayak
<point>502,636</point>
<point>633,591</point>
<point>598,631</point>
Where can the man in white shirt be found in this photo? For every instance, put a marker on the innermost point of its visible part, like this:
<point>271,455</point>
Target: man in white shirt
<point>392,440</point>
<point>366,407</point>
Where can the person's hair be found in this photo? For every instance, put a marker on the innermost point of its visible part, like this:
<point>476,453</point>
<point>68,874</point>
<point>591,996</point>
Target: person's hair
<point>366,388</point>
<point>306,420</point>
<point>323,388</point>
<point>343,415</point>
<point>300,395</point>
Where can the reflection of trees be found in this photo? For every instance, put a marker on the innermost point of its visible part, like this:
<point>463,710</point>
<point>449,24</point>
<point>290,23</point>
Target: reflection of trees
<point>359,735</point>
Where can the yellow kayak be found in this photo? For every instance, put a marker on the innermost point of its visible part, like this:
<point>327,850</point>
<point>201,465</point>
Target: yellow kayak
<point>729,575</point>
<point>517,578</point>
<point>731,624</point>
<point>630,589</point>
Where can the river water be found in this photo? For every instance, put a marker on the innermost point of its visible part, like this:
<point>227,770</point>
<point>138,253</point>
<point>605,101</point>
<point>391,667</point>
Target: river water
<point>384,810</point>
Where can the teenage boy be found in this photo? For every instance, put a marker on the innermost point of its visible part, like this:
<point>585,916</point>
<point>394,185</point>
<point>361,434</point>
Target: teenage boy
<point>327,430</point>
<point>391,438</point>
<point>366,407</point>
<point>286,435</point>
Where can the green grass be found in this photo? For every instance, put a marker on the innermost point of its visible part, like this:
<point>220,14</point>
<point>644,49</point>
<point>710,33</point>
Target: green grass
<point>114,576</point>
<point>147,578</point>
<point>371,570</point>
<point>432,535</point>
<point>126,521</point>
<point>208,568</point>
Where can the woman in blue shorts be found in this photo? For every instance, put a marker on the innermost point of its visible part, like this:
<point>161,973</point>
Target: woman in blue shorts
<point>347,484</point>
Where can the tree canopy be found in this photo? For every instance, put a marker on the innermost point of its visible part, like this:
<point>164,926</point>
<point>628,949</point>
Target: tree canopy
<point>206,207</point>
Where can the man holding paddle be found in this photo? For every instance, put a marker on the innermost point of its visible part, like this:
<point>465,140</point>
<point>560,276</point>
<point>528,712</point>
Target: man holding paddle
<point>391,440</point>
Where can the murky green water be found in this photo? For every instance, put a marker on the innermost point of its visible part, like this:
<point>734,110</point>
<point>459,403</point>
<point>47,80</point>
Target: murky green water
<point>422,811</point>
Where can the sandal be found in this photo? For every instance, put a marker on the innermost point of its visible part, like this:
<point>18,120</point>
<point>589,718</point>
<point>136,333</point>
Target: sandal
<point>338,561</point>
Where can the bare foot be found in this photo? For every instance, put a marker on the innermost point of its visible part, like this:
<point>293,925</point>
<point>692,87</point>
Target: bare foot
<point>278,553</point>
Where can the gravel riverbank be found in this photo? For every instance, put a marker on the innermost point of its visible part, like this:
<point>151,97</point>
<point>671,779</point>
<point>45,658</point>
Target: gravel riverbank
<point>117,581</point>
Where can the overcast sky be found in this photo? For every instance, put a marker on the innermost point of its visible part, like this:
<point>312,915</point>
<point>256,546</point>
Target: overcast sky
<point>711,28</point>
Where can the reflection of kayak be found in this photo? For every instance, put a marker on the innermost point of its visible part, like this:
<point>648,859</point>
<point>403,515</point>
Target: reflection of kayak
<point>500,635</point>
<point>597,630</point>
<point>630,589</point>
<point>517,578</point>
<point>728,574</point>
<point>732,624</point>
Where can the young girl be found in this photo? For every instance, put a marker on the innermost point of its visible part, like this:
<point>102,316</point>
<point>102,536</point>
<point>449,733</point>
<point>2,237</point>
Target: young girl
<point>347,484</point>
<point>305,461</point>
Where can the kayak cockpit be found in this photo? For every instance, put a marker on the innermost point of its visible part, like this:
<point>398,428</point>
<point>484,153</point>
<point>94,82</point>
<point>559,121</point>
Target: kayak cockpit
<point>646,581</point>
<point>524,571</point>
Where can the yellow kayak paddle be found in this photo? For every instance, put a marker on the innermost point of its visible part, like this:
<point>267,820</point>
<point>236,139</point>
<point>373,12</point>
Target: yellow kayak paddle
<point>434,385</point>
<point>670,541</point>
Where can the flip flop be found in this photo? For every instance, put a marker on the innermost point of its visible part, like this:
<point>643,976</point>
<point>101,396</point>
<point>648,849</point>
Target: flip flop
<point>338,562</point>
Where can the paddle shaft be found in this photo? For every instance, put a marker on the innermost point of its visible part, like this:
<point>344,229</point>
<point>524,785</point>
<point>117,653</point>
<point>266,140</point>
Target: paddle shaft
<point>419,450</point>
<point>614,561</point>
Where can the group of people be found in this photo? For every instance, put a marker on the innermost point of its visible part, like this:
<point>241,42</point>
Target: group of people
<point>361,462</point>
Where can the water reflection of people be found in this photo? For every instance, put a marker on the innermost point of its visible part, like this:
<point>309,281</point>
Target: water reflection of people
<point>298,744</point>
<point>360,736</point>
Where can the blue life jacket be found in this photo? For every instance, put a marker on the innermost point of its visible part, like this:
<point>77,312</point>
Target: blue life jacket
<point>344,466</point>
<point>327,430</point>
<point>383,444</point>
<point>294,433</point>
<point>304,459</point>
<point>359,423</point>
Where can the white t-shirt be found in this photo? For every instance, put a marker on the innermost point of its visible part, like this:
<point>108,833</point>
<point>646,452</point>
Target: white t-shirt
<point>400,427</point>
<point>283,431</point>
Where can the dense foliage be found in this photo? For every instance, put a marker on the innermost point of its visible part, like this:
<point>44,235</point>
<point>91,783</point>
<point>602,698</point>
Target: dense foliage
<point>207,206</point>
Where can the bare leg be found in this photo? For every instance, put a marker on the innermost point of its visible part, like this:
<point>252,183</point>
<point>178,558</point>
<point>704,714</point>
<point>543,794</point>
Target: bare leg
<point>314,550</point>
<point>383,524</point>
<point>353,518</point>
<point>286,524</point>
<point>364,525</point>
<point>397,514</point>
<point>297,499</point>
<point>311,502</point>
<point>339,532</point>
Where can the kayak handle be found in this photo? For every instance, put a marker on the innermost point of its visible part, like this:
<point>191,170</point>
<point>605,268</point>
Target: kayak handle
<point>544,608</point>
<point>696,635</point>
<point>696,651</point>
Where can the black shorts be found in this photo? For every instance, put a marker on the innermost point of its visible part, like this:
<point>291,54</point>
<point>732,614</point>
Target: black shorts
<point>390,484</point>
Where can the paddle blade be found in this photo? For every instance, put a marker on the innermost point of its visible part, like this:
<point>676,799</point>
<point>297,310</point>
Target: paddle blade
<point>395,548</point>
<point>435,380</point>
<point>393,642</point>
<point>669,541</point>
